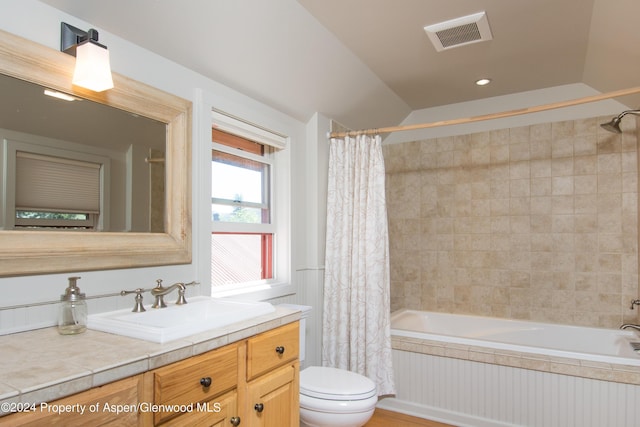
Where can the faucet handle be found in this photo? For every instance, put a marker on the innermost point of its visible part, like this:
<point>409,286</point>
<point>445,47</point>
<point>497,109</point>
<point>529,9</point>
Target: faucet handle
<point>181,299</point>
<point>138,308</point>
<point>181,290</point>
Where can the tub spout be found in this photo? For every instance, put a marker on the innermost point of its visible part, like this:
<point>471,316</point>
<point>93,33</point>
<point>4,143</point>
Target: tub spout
<point>630,325</point>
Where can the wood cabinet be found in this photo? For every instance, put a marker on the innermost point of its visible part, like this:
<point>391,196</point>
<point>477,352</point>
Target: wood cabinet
<point>272,349</point>
<point>222,412</point>
<point>273,398</point>
<point>253,382</point>
<point>190,386</point>
<point>273,378</point>
<point>112,404</point>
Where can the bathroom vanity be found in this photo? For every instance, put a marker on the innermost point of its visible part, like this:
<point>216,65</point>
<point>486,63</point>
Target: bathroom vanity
<point>248,375</point>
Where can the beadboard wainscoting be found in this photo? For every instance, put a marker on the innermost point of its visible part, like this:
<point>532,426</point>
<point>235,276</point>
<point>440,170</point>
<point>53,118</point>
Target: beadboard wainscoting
<point>469,393</point>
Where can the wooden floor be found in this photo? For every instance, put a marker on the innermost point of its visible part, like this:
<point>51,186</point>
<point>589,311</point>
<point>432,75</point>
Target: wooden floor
<point>384,418</point>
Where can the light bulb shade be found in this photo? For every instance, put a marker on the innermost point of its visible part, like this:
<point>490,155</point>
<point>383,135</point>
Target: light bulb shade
<point>93,70</point>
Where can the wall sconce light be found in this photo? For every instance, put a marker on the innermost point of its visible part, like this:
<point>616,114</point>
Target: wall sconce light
<point>93,70</point>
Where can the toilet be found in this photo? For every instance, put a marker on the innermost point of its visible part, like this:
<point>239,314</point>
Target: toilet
<point>331,397</point>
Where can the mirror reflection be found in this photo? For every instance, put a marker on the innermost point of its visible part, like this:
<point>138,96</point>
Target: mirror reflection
<point>74,164</point>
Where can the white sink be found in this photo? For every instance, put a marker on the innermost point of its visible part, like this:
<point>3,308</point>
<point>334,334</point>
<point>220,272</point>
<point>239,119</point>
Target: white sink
<point>162,325</point>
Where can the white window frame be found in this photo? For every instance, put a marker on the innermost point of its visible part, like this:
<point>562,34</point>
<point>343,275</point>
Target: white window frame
<point>245,227</point>
<point>280,222</point>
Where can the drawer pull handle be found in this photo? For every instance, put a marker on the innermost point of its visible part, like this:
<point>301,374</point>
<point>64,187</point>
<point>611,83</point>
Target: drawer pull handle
<point>280,350</point>
<point>235,421</point>
<point>259,407</point>
<point>205,382</point>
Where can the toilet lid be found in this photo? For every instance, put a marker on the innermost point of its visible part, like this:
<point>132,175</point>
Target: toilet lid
<point>335,384</point>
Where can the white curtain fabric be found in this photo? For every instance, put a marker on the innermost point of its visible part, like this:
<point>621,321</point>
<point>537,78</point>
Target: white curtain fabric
<point>356,325</point>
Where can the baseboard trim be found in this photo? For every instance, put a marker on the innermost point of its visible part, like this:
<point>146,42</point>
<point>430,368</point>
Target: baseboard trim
<point>437,414</point>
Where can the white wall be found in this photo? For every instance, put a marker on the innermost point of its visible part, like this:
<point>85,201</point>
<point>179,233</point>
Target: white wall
<point>310,273</point>
<point>40,23</point>
<point>613,39</point>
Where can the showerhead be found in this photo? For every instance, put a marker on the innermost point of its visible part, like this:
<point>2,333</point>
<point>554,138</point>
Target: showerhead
<point>614,124</point>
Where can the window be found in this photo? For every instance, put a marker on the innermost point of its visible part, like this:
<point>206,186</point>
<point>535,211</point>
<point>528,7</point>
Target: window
<point>243,233</point>
<point>56,192</point>
<point>250,209</point>
<point>240,183</point>
<point>55,219</point>
<point>53,188</point>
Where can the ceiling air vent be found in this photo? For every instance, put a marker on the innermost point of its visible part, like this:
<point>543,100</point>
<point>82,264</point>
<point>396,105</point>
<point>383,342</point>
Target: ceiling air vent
<point>459,31</point>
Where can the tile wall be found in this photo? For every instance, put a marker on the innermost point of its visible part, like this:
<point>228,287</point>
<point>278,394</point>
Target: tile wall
<point>537,222</point>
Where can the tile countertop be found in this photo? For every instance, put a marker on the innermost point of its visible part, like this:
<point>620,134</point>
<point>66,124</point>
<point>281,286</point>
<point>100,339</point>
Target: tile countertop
<point>42,365</point>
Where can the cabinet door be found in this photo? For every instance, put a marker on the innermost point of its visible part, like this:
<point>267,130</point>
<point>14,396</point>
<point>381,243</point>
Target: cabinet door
<point>101,406</point>
<point>221,412</point>
<point>273,399</point>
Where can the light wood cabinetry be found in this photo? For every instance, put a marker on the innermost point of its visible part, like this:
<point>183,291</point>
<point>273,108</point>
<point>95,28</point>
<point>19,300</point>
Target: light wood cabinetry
<point>272,349</point>
<point>190,386</point>
<point>253,382</point>
<point>273,398</point>
<point>112,404</point>
<point>273,377</point>
<point>222,412</point>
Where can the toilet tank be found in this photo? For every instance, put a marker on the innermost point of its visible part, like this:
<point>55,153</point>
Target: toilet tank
<point>305,309</point>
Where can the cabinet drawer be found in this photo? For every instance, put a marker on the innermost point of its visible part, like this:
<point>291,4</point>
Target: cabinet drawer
<point>209,414</point>
<point>185,382</point>
<point>272,349</point>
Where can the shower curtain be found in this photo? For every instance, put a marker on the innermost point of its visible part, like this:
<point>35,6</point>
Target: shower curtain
<point>356,325</point>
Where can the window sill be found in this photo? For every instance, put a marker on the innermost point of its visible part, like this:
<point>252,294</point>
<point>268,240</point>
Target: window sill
<point>259,292</point>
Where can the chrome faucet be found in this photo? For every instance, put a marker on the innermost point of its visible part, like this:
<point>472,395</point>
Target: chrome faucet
<point>630,325</point>
<point>160,291</point>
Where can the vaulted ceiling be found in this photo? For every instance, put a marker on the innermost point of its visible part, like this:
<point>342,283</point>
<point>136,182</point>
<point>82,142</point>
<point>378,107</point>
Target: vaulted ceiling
<point>368,63</point>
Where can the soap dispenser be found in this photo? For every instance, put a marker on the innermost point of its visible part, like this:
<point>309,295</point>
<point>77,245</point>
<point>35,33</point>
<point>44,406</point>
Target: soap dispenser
<point>72,318</point>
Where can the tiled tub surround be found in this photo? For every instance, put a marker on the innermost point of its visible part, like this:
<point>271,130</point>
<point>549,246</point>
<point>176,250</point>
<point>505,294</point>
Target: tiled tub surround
<point>537,222</point>
<point>42,365</point>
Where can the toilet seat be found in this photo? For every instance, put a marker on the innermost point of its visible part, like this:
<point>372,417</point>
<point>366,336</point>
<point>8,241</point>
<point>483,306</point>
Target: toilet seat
<point>335,384</point>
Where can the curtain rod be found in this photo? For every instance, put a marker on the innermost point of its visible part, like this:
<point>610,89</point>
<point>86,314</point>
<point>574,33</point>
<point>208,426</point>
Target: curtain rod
<point>504,114</point>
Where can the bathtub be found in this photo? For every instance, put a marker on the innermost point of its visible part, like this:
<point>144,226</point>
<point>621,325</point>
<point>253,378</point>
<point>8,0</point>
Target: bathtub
<point>485,372</point>
<point>583,343</point>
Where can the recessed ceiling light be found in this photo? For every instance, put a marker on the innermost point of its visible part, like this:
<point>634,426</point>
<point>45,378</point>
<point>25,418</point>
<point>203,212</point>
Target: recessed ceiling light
<point>483,82</point>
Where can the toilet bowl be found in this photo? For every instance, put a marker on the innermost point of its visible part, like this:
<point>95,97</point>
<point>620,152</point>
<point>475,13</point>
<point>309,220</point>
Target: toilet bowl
<point>331,397</point>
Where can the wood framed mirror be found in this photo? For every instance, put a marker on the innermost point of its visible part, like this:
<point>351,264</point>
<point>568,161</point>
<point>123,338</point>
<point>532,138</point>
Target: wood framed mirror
<point>34,251</point>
